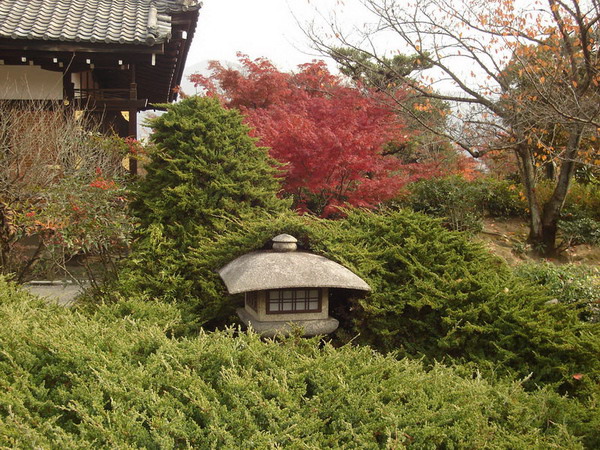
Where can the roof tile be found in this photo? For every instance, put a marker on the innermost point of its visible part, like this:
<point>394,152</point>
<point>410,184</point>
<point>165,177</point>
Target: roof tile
<point>110,21</point>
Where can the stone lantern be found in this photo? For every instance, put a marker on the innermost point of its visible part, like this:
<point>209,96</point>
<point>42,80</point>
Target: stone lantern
<point>285,287</point>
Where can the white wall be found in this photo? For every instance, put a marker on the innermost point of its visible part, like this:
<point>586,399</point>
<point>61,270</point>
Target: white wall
<point>30,83</point>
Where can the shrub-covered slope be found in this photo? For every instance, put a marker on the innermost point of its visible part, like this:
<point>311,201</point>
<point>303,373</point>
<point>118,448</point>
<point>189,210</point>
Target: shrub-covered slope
<point>435,294</point>
<point>115,380</point>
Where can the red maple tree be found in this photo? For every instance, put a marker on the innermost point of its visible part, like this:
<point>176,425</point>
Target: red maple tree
<point>328,136</point>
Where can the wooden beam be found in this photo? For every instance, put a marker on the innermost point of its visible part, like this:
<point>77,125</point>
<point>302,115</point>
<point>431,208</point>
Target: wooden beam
<point>83,47</point>
<point>74,60</point>
<point>133,166</point>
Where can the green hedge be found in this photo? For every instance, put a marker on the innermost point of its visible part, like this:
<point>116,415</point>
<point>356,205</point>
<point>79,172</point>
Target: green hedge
<point>462,204</point>
<point>435,294</point>
<point>205,175</point>
<point>71,380</point>
<point>205,171</point>
<point>570,283</point>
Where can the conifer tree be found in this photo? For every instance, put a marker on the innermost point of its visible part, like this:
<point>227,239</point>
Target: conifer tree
<point>205,170</point>
<point>206,176</point>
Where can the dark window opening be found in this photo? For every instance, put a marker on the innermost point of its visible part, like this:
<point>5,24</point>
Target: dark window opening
<point>252,300</point>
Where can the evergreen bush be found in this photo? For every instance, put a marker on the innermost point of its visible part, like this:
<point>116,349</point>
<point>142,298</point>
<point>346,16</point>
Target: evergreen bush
<point>435,294</point>
<point>500,198</point>
<point>573,284</point>
<point>205,171</point>
<point>584,198</point>
<point>205,175</point>
<point>462,203</point>
<point>113,379</point>
<point>453,199</point>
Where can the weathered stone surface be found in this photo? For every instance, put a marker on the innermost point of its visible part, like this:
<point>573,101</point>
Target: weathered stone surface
<point>284,243</point>
<point>270,269</point>
<point>285,238</point>
<point>272,328</point>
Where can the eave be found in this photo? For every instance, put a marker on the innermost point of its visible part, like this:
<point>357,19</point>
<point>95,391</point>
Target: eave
<point>77,47</point>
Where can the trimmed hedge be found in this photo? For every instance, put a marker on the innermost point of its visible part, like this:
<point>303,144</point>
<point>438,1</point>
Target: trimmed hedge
<point>435,295</point>
<point>205,171</point>
<point>71,380</point>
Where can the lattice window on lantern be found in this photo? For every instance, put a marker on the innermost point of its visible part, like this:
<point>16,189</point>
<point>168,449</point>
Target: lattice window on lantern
<point>284,301</point>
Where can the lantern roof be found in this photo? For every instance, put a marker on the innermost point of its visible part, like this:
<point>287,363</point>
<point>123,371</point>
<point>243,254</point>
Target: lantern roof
<point>287,268</point>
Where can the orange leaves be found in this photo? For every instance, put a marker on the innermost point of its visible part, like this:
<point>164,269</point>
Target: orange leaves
<point>103,183</point>
<point>423,107</point>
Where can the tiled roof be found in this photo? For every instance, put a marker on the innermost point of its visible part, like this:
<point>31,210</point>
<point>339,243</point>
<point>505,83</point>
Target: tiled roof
<point>95,21</point>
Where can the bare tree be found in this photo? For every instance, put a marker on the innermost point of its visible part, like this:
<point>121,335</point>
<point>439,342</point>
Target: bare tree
<point>513,72</point>
<point>45,151</point>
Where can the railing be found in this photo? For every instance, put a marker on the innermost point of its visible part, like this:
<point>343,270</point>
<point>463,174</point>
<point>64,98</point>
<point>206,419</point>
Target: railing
<point>102,94</point>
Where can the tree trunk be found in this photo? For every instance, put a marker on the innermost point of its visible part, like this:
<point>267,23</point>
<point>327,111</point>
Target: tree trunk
<point>548,240</point>
<point>553,207</point>
<point>527,171</point>
<point>543,225</point>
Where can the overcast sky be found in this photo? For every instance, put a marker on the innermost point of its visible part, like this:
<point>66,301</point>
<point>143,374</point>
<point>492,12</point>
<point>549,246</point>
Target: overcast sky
<point>258,28</point>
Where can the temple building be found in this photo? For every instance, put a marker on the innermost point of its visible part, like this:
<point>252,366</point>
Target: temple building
<point>113,58</point>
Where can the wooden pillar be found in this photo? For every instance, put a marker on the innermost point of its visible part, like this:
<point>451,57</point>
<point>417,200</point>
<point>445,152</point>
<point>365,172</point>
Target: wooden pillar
<point>68,86</point>
<point>133,118</point>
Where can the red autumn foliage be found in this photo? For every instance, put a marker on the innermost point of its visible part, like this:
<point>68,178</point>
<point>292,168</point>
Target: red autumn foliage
<point>102,183</point>
<point>328,136</point>
<point>135,147</point>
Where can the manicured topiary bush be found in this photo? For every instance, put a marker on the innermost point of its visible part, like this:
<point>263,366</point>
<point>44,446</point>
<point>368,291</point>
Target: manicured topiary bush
<point>435,295</point>
<point>114,379</point>
<point>205,176</point>
<point>205,171</point>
